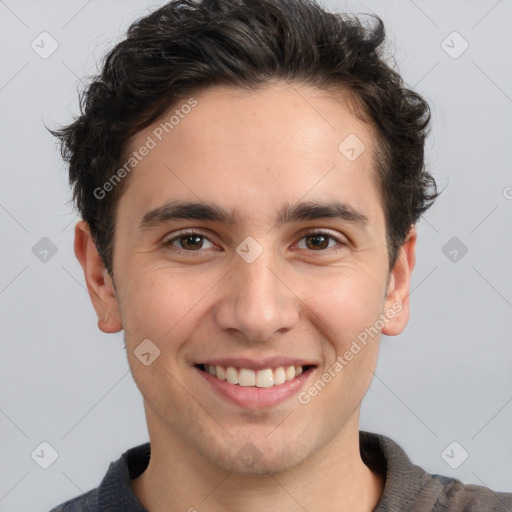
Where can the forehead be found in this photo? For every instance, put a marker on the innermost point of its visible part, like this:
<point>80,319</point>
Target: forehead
<point>262,149</point>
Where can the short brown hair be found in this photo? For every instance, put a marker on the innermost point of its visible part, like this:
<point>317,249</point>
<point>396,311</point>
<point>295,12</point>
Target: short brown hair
<point>189,45</point>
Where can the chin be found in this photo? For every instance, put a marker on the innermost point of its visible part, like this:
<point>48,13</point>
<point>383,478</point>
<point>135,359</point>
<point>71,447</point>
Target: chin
<point>259,457</point>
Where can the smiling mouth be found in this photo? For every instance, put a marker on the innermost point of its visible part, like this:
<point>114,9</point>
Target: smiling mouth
<point>245,377</point>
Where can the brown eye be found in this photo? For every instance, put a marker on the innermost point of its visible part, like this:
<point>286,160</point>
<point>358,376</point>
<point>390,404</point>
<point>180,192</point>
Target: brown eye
<point>319,241</point>
<point>188,242</point>
<point>191,242</point>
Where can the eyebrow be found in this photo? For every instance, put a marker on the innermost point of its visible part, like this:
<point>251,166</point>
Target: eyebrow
<point>310,210</point>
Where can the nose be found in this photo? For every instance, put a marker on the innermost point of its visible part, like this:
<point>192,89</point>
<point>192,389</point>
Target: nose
<point>257,302</point>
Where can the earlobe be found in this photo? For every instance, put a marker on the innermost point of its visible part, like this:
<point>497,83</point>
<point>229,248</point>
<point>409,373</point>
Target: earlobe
<point>396,306</point>
<point>99,284</point>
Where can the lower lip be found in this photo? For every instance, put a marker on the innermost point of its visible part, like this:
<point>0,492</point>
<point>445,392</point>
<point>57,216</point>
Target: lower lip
<point>254,397</point>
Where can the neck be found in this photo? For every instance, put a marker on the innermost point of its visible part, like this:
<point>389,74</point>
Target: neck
<point>334,479</point>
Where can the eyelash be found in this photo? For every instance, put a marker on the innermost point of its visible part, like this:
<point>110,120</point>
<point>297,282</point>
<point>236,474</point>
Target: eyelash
<point>168,243</point>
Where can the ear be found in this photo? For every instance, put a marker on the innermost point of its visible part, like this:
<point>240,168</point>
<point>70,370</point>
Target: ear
<point>99,284</point>
<point>396,306</point>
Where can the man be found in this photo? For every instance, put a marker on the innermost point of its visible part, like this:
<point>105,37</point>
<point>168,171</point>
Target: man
<point>249,176</point>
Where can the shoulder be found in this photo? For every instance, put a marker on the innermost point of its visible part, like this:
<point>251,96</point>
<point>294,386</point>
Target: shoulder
<point>114,492</point>
<point>87,502</point>
<point>456,496</point>
<point>410,487</point>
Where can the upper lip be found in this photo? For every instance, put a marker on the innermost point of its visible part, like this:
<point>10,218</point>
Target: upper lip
<point>260,364</point>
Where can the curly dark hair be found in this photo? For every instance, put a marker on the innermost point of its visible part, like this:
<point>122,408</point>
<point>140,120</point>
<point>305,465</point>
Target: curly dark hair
<point>186,46</point>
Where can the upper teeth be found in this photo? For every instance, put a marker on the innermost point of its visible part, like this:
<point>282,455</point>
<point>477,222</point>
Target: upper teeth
<point>261,378</point>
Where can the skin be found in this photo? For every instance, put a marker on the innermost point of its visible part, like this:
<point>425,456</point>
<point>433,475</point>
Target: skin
<point>252,152</point>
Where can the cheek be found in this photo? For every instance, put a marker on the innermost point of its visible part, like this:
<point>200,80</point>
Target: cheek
<point>347,308</point>
<point>351,346</point>
<point>346,304</point>
<point>157,302</point>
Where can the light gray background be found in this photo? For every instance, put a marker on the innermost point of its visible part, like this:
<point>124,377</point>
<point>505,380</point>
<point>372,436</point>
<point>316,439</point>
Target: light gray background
<point>446,378</point>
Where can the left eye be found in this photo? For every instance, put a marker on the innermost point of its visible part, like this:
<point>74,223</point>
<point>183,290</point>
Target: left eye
<point>318,240</point>
<point>191,241</point>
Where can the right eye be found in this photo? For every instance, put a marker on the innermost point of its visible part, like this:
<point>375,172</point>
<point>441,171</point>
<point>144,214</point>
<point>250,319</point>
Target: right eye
<point>189,240</point>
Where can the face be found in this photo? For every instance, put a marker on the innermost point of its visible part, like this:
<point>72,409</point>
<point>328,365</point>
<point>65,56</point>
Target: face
<point>280,269</point>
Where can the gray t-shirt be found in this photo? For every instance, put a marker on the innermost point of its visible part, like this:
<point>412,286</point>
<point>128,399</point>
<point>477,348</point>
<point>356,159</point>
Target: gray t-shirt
<point>408,488</point>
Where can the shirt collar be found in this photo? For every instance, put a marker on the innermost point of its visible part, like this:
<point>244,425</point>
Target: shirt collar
<point>404,481</point>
